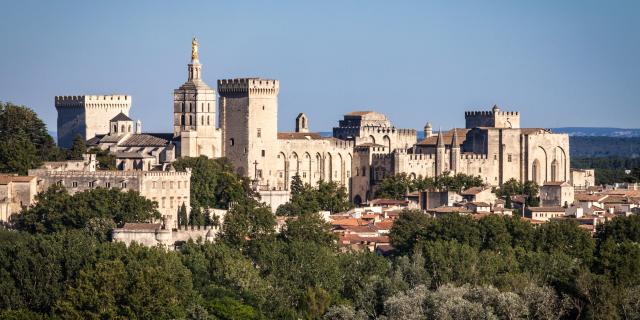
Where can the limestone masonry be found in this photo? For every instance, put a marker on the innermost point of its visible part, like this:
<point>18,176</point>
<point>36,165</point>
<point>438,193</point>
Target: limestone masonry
<point>364,148</point>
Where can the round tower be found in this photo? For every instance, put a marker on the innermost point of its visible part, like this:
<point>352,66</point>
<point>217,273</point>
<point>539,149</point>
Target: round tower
<point>428,130</point>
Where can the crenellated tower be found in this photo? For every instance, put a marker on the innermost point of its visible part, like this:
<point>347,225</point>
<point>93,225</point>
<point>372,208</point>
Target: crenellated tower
<point>249,123</point>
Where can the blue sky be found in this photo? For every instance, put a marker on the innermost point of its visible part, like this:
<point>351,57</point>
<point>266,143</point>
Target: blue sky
<point>560,63</point>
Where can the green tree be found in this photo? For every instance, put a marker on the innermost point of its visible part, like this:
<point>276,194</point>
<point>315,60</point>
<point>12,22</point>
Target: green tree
<point>196,217</point>
<point>56,210</point>
<point>394,187</point>
<point>408,229</point>
<point>213,182</point>
<point>19,123</point>
<point>78,149</point>
<point>183,219</point>
<point>18,155</point>
<point>247,220</point>
<point>308,227</point>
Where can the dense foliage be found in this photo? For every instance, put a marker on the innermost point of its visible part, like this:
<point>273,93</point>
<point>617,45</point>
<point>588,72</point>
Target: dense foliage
<point>605,147</point>
<point>609,170</point>
<point>529,189</point>
<point>397,186</point>
<point>454,267</point>
<point>213,182</point>
<point>96,211</point>
<point>326,196</point>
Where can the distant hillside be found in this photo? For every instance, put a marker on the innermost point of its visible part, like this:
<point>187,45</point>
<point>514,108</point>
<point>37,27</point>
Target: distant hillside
<point>598,132</point>
<point>594,142</point>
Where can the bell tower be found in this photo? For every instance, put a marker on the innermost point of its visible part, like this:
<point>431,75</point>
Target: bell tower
<point>194,113</point>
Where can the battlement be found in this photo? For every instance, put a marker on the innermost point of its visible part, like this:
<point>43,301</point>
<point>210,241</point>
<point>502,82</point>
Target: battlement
<point>387,130</point>
<point>381,156</point>
<point>111,174</point>
<point>246,86</point>
<point>473,156</point>
<point>87,100</point>
<point>343,144</point>
<point>493,119</point>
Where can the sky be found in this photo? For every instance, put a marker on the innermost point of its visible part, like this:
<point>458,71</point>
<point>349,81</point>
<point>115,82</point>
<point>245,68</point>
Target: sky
<point>560,63</point>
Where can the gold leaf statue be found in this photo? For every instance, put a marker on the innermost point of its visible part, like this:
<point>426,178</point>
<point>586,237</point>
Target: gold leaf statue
<point>194,49</point>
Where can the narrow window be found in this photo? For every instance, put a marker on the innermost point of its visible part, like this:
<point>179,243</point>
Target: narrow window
<point>259,132</point>
<point>263,153</point>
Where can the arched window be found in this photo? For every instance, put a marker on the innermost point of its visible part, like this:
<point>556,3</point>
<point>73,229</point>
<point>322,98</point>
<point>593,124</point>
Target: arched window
<point>190,119</point>
<point>115,128</point>
<point>554,170</point>
<point>122,129</point>
<point>208,107</point>
<point>202,120</point>
<point>208,122</point>
<point>182,120</point>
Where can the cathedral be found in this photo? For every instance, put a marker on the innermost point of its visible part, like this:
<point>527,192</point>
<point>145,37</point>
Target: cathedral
<point>363,149</point>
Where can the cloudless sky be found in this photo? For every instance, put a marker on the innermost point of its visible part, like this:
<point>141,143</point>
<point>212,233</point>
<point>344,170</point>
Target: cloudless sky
<point>560,63</point>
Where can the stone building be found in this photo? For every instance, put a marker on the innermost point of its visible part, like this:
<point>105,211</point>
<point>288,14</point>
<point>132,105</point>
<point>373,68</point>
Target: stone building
<point>133,149</point>
<point>249,119</point>
<point>497,150</point>
<point>87,116</point>
<point>170,189</point>
<point>16,192</point>
<point>194,113</point>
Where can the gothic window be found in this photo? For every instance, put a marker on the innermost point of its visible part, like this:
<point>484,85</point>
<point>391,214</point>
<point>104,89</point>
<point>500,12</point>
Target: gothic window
<point>122,128</point>
<point>208,107</point>
<point>190,120</point>
<point>115,128</point>
<point>190,107</point>
<point>208,123</point>
<point>202,120</point>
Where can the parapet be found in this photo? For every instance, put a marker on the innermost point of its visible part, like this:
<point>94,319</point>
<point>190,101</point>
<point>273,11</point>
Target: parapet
<point>82,100</point>
<point>246,86</point>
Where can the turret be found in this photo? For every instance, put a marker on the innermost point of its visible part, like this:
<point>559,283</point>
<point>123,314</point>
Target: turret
<point>138,127</point>
<point>428,130</point>
<point>302,123</point>
<point>440,155</point>
<point>455,152</point>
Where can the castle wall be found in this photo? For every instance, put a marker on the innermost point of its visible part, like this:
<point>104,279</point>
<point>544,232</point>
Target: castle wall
<point>87,116</point>
<point>169,189</point>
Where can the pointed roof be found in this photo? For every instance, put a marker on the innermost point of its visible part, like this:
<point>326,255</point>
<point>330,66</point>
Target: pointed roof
<point>454,140</point>
<point>121,117</point>
<point>440,143</point>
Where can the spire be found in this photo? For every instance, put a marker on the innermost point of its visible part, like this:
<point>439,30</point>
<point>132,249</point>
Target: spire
<point>195,68</point>
<point>440,143</point>
<point>454,140</point>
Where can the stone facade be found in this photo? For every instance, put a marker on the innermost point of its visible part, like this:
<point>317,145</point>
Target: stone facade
<point>169,189</point>
<point>582,179</point>
<point>194,114</point>
<point>16,192</point>
<point>497,151</point>
<point>87,115</point>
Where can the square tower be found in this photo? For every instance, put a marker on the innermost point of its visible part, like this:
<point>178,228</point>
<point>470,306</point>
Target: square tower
<point>249,122</point>
<point>88,115</point>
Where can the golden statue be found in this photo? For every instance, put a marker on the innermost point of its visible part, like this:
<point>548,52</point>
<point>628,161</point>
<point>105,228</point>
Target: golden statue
<point>194,49</point>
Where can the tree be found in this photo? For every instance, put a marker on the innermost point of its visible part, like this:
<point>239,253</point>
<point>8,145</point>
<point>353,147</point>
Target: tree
<point>18,155</point>
<point>247,220</point>
<point>78,149</point>
<point>407,230</point>
<point>297,187</point>
<point>183,219</point>
<point>213,182</point>
<point>55,210</point>
<point>309,227</point>
<point>196,217</point>
<point>105,159</point>
<point>19,123</point>
<point>394,187</point>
